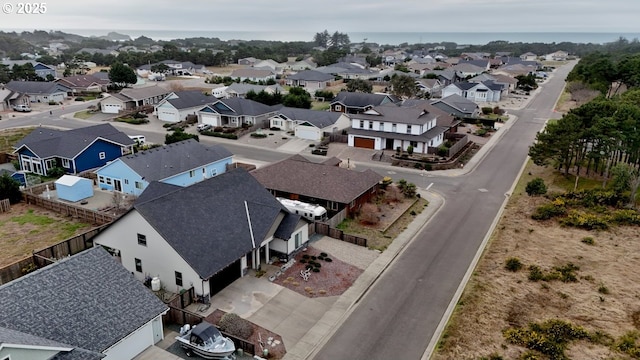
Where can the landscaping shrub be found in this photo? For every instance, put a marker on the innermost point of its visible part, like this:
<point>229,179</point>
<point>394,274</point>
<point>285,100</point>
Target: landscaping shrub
<point>513,264</point>
<point>588,240</point>
<point>257,135</point>
<point>303,261</point>
<point>220,135</point>
<point>235,325</point>
<point>320,257</point>
<point>315,269</point>
<point>218,129</point>
<point>274,128</point>
<point>369,214</point>
<point>323,254</point>
<point>548,211</point>
<point>586,221</point>
<point>481,132</point>
<point>51,102</point>
<point>549,338</point>
<point>535,274</point>
<point>79,98</point>
<point>328,259</point>
<point>305,256</point>
<point>536,187</point>
<point>386,181</point>
<point>486,110</point>
<point>313,257</point>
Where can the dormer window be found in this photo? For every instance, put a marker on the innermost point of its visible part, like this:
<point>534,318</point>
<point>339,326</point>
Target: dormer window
<point>408,129</point>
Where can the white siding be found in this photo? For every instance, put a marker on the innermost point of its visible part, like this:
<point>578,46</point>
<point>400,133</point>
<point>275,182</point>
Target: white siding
<point>132,345</point>
<point>158,257</point>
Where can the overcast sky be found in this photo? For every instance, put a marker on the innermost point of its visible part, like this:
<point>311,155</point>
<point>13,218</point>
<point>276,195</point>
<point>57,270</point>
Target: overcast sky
<point>335,15</point>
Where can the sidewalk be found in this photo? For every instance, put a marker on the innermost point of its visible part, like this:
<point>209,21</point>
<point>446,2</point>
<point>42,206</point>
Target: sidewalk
<point>325,327</point>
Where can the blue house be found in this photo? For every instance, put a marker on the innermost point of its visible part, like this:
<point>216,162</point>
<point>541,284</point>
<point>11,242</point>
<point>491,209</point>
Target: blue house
<point>183,163</point>
<point>74,150</point>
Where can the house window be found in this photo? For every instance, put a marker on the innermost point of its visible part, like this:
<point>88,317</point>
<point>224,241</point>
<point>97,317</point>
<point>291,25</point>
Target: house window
<point>334,205</point>
<point>192,173</point>
<point>138,185</point>
<point>370,125</point>
<point>214,172</point>
<point>338,107</point>
<point>138,265</point>
<point>414,144</point>
<point>65,163</point>
<point>126,181</point>
<point>101,179</point>
<point>178,278</point>
<point>142,240</point>
<point>393,127</point>
<point>108,181</point>
<point>102,155</point>
<point>381,127</point>
<point>408,129</point>
<point>361,124</point>
<point>298,240</point>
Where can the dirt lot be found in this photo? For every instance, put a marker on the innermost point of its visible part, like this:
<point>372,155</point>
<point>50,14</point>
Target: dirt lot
<point>604,298</point>
<point>26,228</point>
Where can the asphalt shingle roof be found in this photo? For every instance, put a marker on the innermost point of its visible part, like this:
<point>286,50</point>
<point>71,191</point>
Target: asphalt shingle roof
<point>46,142</point>
<point>144,92</point>
<point>240,106</point>
<point>88,301</point>
<point>458,102</point>
<point>319,119</point>
<point>206,223</point>
<point>311,75</point>
<point>318,181</point>
<point>190,98</point>
<point>162,162</point>
<point>414,115</point>
<point>36,87</point>
<point>357,99</point>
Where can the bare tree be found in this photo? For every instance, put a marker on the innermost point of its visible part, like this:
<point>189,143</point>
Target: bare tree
<point>369,214</point>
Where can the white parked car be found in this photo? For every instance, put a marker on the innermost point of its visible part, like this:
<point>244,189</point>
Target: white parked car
<point>203,127</point>
<point>22,108</point>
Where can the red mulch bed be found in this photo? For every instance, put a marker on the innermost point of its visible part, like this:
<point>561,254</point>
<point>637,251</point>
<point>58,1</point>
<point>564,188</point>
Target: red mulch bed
<point>275,352</point>
<point>334,278</point>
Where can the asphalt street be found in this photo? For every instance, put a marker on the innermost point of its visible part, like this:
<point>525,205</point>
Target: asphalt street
<point>399,315</point>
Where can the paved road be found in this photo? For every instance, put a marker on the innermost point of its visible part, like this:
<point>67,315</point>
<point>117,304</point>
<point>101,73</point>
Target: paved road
<point>399,315</point>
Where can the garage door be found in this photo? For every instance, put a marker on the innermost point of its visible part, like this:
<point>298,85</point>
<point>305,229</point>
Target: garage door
<point>111,108</point>
<point>364,143</point>
<point>225,277</point>
<point>170,116</point>
<point>209,119</point>
<point>307,133</point>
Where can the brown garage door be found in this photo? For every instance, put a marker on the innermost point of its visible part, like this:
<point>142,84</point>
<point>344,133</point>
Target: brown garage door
<point>364,143</point>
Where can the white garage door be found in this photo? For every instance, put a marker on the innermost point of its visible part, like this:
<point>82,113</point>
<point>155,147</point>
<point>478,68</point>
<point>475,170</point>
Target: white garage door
<point>209,119</point>
<point>168,115</point>
<point>308,133</point>
<point>111,108</point>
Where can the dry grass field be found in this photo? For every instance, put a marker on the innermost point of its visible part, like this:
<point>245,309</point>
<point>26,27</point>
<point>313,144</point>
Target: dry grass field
<point>604,300</point>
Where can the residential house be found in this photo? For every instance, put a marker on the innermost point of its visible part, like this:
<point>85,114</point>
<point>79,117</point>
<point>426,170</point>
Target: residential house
<point>429,86</point>
<point>466,69</point>
<point>241,89</point>
<point>10,98</point>
<point>443,118</point>
<point>86,306</point>
<point>254,75</point>
<point>349,71</point>
<point>337,189</point>
<point>528,56</point>
<point>39,91</point>
<point>84,83</point>
<point>509,83</point>
<point>309,124</point>
<point>474,55</point>
<point>174,68</point>
<point>389,127</point>
<point>131,98</point>
<point>42,70</point>
<point>236,112</point>
<point>300,65</point>
<point>486,91</point>
<point>356,102</point>
<point>310,79</point>
<point>74,150</point>
<point>446,77</point>
<point>176,106</point>
<point>269,64</point>
<point>205,235</point>
<point>183,163</point>
<point>457,106</point>
<point>514,70</point>
<point>484,63</point>
<point>248,61</point>
<point>557,56</point>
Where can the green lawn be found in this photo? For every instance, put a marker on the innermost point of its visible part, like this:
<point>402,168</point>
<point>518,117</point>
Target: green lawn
<point>318,105</point>
<point>10,137</point>
<point>85,114</point>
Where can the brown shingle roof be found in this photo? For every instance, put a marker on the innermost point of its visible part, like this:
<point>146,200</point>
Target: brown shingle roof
<point>318,181</point>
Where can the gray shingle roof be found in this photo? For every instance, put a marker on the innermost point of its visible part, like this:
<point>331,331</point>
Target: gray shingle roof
<point>14,337</point>
<point>190,98</point>
<point>287,226</point>
<point>319,119</point>
<point>457,102</point>
<point>88,301</point>
<point>36,87</point>
<point>162,162</point>
<point>361,100</point>
<point>144,92</point>
<point>426,136</point>
<point>206,223</point>
<point>46,142</point>
<point>414,115</point>
<point>311,75</point>
<point>242,88</point>
<point>318,181</point>
<point>240,106</point>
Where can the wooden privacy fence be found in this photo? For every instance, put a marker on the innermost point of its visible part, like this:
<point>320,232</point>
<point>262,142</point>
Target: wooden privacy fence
<point>86,215</point>
<point>325,229</point>
<point>5,205</point>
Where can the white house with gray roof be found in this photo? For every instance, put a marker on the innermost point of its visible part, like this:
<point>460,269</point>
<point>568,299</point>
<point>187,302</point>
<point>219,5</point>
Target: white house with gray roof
<point>234,112</point>
<point>309,124</point>
<point>241,89</point>
<point>206,235</point>
<point>457,106</point>
<point>310,79</point>
<point>83,307</point>
<point>176,106</point>
<point>388,127</point>
<point>130,98</point>
<point>183,164</point>
<point>40,91</point>
<point>486,91</point>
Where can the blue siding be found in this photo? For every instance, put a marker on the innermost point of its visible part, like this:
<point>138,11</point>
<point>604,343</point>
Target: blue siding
<point>118,170</point>
<point>25,151</point>
<point>185,179</point>
<point>82,189</point>
<point>90,157</point>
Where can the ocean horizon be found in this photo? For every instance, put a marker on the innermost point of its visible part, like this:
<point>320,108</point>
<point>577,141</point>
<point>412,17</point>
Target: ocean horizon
<point>382,38</point>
